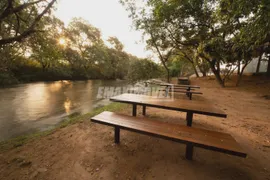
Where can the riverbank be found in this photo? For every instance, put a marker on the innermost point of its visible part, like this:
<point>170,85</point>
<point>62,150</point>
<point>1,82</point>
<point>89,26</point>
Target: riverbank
<point>8,79</point>
<point>21,140</point>
<point>83,150</point>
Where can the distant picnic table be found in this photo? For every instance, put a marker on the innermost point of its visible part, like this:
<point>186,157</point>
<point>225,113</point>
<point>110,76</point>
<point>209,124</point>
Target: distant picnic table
<point>183,80</point>
<point>189,90</point>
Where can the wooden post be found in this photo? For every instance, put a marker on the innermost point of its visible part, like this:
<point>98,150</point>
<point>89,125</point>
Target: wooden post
<point>188,89</point>
<point>116,135</point>
<point>189,147</point>
<point>134,110</point>
<point>190,96</point>
<point>189,151</point>
<point>144,110</point>
<point>189,118</point>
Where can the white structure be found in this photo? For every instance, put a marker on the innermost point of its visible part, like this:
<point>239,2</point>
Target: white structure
<point>252,66</point>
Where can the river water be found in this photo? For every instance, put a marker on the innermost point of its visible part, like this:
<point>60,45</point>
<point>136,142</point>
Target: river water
<point>26,108</point>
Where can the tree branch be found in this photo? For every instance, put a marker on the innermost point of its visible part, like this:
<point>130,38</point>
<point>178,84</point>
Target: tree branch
<point>31,29</point>
<point>10,10</point>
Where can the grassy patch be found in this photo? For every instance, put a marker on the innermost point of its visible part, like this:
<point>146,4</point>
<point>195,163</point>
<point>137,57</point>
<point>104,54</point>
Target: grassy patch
<point>21,140</point>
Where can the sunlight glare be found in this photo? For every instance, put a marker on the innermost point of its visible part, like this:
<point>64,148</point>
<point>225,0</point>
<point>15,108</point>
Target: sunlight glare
<point>62,41</point>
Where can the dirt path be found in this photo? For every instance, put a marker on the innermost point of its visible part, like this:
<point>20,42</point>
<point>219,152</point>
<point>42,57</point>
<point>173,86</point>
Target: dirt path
<point>86,150</point>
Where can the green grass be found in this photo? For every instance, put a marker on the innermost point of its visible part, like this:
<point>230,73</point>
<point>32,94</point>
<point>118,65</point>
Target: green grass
<point>21,140</point>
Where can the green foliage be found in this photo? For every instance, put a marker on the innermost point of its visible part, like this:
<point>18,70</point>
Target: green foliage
<point>142,69</point>
<point>215,32</point>
<point>7,79</point>
<point>20,19</point>
<point>73,53</point>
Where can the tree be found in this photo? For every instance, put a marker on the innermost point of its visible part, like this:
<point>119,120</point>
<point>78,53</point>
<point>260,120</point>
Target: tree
<point>219,31</point>
<point>19,19</point>
<point>86,40</point>
<point>143,69</point>
<point>45,50</point>
<point>114,41</point>
<point>57,52</point>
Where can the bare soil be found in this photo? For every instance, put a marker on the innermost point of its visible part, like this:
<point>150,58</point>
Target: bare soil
<point>86,150</point>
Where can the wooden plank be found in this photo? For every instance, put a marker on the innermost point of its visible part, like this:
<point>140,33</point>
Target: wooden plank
<point>186,88</point>
<point>183,78</point>
<point>183,81</point>
<point>180,91</point>
<point>178,85</point>
<point>198,107</point>
<point>175,85</point>
<point>206,139</point>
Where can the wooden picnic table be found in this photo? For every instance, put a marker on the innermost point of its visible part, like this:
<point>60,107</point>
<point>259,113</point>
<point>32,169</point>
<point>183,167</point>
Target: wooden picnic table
<point>190,107</point>
<point>183,80</point>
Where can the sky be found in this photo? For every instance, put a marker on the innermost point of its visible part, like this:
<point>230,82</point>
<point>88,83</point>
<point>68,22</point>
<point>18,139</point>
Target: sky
<point>110,17</point>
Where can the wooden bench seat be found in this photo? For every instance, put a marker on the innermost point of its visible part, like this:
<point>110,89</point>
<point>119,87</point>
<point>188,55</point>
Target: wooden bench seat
<point>206,139</point>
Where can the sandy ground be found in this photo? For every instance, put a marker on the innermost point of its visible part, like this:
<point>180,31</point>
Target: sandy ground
<point>86,150</point>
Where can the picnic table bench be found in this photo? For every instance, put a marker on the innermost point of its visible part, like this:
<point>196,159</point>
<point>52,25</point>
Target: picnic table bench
<point>183,80</point>
<point>189,92</point>
<point>188,87</point>
<point>180,89</point>
<point>206,139</point>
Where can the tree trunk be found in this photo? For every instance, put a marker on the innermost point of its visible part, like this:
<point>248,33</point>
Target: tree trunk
<point>195,70</point>
<point>216,72</point>
<point>43,67</point>
<point>259,63</point>
<point>168,74</point>
<point>202,67</point>
<point>204,74</point>
<point>215,69</point>
<point>268,67</point>
<point>202,70</point>
<point>218,77</point>
<point>239,67</point>
<point>241,74</point>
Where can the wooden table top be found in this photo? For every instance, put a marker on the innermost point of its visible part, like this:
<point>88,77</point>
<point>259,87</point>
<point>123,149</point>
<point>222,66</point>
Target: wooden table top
<point>197,107</point>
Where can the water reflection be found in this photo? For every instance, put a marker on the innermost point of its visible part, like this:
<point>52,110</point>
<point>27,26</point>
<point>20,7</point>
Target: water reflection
<point>67,105</point>
<point>56,86</point>
<point>27,107</point>
<point>31,102</point>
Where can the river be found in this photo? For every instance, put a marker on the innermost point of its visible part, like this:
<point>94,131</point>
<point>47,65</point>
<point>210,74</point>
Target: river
<point>27,108</point>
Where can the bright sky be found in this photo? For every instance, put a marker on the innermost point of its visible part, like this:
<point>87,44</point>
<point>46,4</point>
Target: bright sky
<point>107,15</point>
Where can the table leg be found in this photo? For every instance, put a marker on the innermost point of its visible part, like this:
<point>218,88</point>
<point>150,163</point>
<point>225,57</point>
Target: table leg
<point>134,110</point>
<point>190,96</point>
<point>116,134</point>
<point>189,151</point>
<point>189,147</point>
<point>188,90</point>
<point>189,118</point>
<point>144,110</point>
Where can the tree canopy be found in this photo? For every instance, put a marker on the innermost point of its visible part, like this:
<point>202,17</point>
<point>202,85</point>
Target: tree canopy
<point>209,33</point>
<point>55,51</point>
